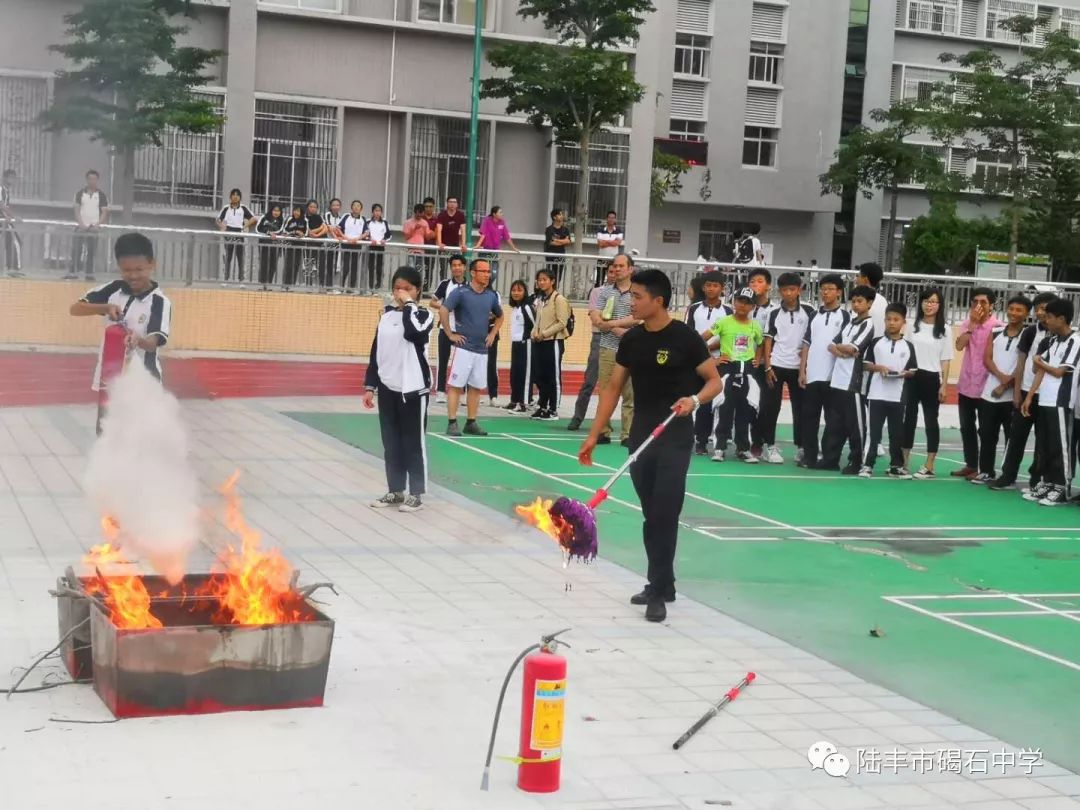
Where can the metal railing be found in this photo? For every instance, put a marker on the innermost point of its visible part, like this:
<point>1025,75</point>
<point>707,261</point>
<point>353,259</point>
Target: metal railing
<point>203,257</point>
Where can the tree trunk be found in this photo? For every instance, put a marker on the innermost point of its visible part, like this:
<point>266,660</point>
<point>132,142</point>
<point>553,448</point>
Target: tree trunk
<point>126,183</point>
<point>1017,202</point>
<point>581,211</point>
<point>890,239</point>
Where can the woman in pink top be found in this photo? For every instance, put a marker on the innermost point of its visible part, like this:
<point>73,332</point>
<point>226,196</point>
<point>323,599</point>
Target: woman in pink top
<point>416,232</point>
<point>493,232</point>
<point>973,335</point>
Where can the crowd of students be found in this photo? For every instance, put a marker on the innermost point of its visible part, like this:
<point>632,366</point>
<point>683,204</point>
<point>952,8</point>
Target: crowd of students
<point>869,368</point>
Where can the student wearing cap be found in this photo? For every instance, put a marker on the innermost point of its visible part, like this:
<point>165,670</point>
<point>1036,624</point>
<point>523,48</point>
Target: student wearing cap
<point>741,340</point>
<point>890,360</point>
<point>817,364</point>
<point>846,399</point>
<point>700,317</point>
<point>672,372</point>
<point>785,329</point>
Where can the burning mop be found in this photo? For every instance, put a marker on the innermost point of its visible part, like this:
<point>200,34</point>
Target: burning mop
<point>672,374</point>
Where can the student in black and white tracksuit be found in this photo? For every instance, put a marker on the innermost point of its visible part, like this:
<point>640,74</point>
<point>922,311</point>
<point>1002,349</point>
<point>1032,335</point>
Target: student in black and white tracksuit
<point>271,226</point>
<point>12,243</point>
<point>329,263</point>
<point>442,292</point>
<point>817,365</point>
<point>398,371</point>
<point>784,330</point>
<point>996,405</point>
<point>377,235</point>
<point>522,320</point>
<point>889,361</point>
<point>353,226</point>
<point>1054,370</point>
<point>234,218</point>
<point>700,317</point>
<point>294,230</point>
<point>549,336</point>
<point>846,401</point>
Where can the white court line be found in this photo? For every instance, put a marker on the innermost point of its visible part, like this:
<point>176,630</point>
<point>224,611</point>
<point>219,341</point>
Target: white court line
<point>1066,614</point>
<point>998,595</point>
<point>927,528</point>
<point>778,476</point>
<point>810,534</point>
<point>985,633</point>
<point>977,613</point>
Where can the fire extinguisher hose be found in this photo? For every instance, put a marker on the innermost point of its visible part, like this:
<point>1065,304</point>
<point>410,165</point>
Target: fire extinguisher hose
<point>546,643</point>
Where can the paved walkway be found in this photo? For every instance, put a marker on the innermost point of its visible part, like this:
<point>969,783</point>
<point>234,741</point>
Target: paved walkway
<point>433,608</point>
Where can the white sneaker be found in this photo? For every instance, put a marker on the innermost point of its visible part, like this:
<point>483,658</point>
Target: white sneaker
<point>770,454</point>
<point>440,398</point>
<point>866,472</point>
<point>924,474</point>
<point>746,457</point>
<point>1037,493</point>
<point>1055,497</point>
<point>494,403</point>
<point>718,455</point>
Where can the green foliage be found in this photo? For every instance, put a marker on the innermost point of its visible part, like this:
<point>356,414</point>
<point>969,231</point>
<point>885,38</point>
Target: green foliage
<point>595,24</point>
<point>667,172</point>
<point>130,81</point>
<point>941,241</point>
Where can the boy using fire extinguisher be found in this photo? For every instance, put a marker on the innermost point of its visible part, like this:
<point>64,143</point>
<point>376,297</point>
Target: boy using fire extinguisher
<point>133,302</point>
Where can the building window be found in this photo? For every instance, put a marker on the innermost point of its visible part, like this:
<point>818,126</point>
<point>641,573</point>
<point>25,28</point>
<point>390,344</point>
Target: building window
<point>991,170</point>
<point>920,84</point>
<point>997,11</point>
<point>683,130</point>
<point>295,153</point>
<point>24,143</point>
<point>310,5</point>
<point>716,238</point>
<point>609,161</point>
<point>759,146</point>
<point>439,161</point>
<point>766,62</point>
<point>940,16</point>
<point>692,55</point>
<point>462,12</point>
<point>1070,22</point>
<point>186,170</point>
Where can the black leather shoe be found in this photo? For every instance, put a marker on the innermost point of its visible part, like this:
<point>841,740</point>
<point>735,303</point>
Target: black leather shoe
<point>603,440</point>
<point>656,611</point>
<point>645,595</point>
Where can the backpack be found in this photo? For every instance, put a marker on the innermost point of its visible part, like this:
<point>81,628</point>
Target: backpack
<point>744,251</point>
<point>571,322</point>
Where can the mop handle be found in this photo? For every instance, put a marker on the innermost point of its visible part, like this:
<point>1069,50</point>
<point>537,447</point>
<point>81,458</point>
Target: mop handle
<point>602,493</point>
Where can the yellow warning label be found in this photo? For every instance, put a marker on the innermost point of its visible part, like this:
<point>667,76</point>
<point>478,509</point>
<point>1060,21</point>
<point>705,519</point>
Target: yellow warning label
<point>549,709</point>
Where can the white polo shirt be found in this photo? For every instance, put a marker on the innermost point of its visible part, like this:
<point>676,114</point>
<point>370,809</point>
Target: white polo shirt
<point>604,233</point>
<point>1006,351</point>
<point>701,316</point>
<point>821,332</point>
<point>895,355</point>
<point>787,328</point>
<point>234,218</point>
<point>353,227</point>
<point>930,351</point>
<point>1063,352</point>
<point>149,313</point>
<point>90,205</point>
<point>378,230</point>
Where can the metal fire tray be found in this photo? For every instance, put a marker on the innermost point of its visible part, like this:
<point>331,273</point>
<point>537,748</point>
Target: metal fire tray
<point>193,666</point>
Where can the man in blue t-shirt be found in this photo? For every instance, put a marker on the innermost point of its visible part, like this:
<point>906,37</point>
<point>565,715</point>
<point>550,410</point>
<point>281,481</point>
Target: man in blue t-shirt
<point>474,331</point>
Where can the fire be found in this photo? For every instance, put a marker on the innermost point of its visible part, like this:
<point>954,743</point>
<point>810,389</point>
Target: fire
<point>538,514</point>
<point>256,585</point>
<point>126,596</point>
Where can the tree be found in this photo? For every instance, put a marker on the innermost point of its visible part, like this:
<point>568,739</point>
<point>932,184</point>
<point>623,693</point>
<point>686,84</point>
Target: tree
<point>130,81</point>
<point>667,172</point>
<point>578,86</point>
<point>941,241</point>
<point>1016,115</point>
<point>872,160</point>
<point>1052,223</point>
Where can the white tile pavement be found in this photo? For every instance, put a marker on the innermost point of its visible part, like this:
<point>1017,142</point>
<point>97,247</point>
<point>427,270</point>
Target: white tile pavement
<point>432,608</point>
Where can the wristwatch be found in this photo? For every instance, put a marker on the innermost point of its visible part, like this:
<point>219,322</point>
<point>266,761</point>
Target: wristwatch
<point>697,402</point>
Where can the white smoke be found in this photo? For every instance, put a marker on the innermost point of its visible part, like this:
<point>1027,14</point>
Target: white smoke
<point>140,475</point>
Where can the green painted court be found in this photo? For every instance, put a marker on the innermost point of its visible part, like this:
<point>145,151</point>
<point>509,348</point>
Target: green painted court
<point>975,594</point>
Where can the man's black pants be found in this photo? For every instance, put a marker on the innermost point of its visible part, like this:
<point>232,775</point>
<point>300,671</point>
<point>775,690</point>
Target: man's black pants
<point>994,417</point>
<point>444,362</point>
<point>403,422</point>
<point>521,371</point>
<point>592,374</point>
<point>969,431</point>
<point>771,399</point>
<point>880,413</point>
<point>493,369</point>
<point>350,265</point>
<point>1019,429</point>
<point>234,248</point>
<point>1053,433</point>
<point>815,401</point>
<point>83,251</point>
<point>849,415</point>
<point>659,477</point>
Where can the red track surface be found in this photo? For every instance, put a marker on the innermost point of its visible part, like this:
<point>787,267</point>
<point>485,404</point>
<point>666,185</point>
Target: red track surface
<point>39,378</point>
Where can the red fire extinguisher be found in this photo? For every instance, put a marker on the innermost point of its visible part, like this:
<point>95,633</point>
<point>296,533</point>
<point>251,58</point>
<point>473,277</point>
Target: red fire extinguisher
<point>113,355</point>
<point>543,712</point>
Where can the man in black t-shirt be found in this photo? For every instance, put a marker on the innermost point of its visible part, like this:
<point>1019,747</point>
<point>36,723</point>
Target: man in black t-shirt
<point>556,238</point>
<point>667,362</point>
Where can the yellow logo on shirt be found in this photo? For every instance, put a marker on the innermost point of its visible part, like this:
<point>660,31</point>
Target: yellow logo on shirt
<point>661,357</point>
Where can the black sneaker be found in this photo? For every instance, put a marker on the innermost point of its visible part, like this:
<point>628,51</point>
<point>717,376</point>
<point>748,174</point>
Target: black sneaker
<point>539,413</point>
<point>510,406</point>
<point>411,503</point>
<point>1001,483</point>
<point>647,594</point>
<point>389,499</point>
<point>1055,497</point>
<point>656,610</point>
<point>625,442</point>
<point>602,439</point>
<point>850,469</point>
<point>452,429</point>
<point>575,424</point>
<point>898,472</point>
<point>474,429</point>
<point>982,479</point>
<point>701,449</point>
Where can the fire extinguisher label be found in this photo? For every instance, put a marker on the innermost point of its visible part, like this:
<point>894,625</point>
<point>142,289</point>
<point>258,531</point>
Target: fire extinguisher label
<point>549,710</point>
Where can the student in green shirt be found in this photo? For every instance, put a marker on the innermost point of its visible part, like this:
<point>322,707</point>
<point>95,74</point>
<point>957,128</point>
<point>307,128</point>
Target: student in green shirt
<point>741,342</point>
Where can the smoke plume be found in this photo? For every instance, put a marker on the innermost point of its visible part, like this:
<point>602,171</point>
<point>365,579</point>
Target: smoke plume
<point>140,475</point>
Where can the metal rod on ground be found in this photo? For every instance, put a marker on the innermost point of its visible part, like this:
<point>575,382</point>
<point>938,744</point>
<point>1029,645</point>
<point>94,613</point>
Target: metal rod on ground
<point>711,713</point>
<point>602,493</point>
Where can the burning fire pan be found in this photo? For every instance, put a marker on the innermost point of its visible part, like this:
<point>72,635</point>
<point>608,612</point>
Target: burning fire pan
<point>193,665</point>
<point>73,614</point>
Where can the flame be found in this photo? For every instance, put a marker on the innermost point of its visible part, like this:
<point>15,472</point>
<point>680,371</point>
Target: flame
<point>126,596</point>
<point>256,585</point>
<point>538,514</point>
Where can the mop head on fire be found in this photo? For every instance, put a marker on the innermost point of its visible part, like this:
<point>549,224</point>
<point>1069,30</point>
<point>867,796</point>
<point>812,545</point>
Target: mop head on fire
<point>140,476</point>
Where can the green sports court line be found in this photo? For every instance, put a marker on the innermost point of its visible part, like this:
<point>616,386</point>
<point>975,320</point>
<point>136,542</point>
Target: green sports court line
<point>808,556</point>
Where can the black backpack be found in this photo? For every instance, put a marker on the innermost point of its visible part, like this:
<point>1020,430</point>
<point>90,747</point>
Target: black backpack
<point>744,250</point>
<point>571,322</point>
